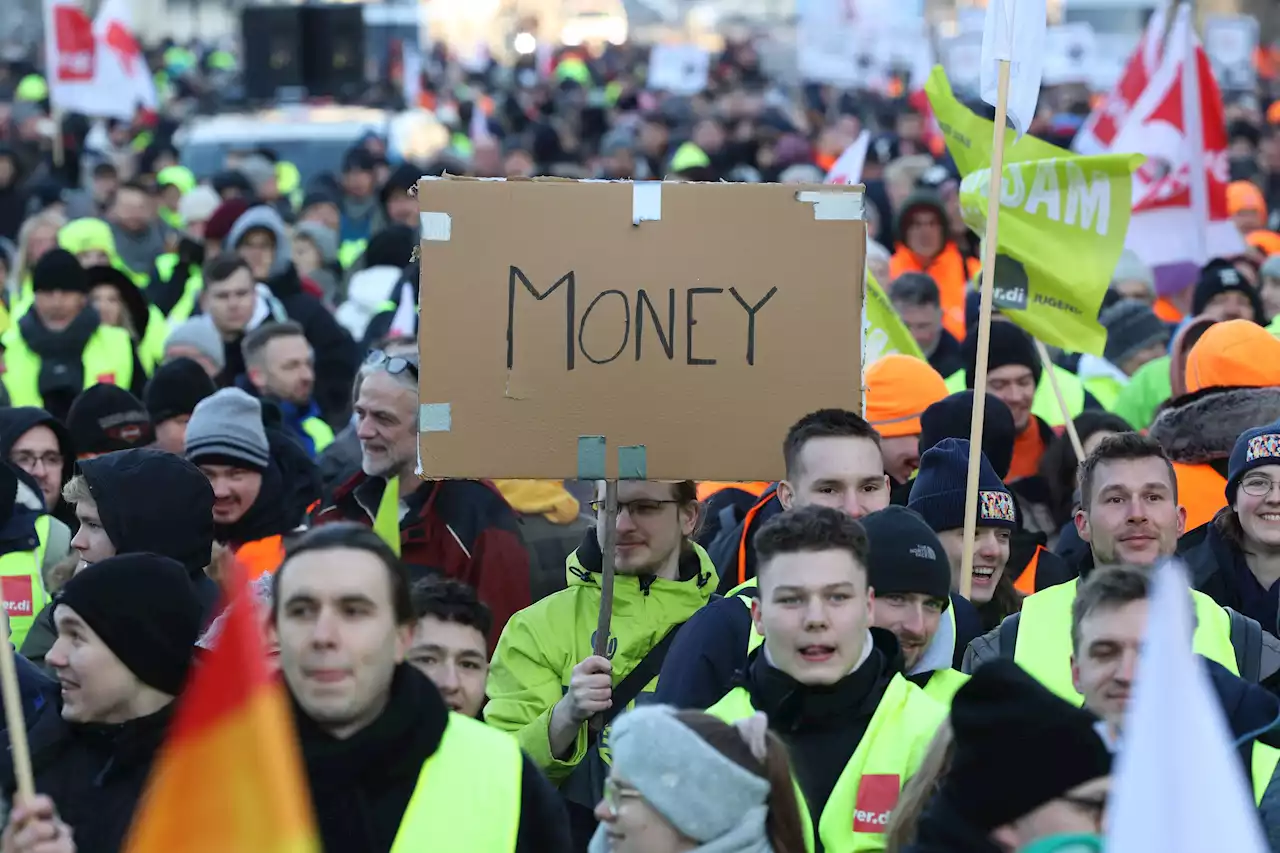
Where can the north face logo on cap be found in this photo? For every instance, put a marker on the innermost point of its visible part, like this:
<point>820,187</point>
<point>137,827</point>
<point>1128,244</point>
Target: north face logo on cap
<point>923,552</point>
<point>877,795</point>
<point>1263,447</point>
<point>996,506</point>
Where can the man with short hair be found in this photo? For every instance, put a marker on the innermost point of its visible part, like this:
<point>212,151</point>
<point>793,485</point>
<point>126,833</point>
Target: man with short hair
<point>451,641</point>
<point>1129,514</point>
<point>388,764</point>
<point>280,366</point>
<point>233,304</point>
<point>460,528</point>
<point>829,682</point>
<point>916,298</point>
<point>546,681</point>
<point>139,234</point>
<point>137,501</point>
<point>1108,626</point>
<point>832,459</point>
<point>126,632</point>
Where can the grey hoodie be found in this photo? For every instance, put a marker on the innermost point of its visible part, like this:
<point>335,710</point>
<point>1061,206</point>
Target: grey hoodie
<point>265,218</point>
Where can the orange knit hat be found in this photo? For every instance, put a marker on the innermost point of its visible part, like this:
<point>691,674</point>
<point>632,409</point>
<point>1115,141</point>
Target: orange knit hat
<point>1234,353</point>
<point>1267,242</point>
<point>1245,195</point>
<point>899,389</point>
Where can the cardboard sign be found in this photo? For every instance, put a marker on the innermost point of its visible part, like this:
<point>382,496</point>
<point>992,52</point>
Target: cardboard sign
<point>681,69</point>
<point>650,314</point>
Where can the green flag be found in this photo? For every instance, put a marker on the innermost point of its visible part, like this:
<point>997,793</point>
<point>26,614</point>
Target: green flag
<point>883,332</point>
<point>387,522</point>
<point>1062,225</point>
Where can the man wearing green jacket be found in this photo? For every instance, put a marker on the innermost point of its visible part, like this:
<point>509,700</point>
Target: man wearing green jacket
<point>545,683</point>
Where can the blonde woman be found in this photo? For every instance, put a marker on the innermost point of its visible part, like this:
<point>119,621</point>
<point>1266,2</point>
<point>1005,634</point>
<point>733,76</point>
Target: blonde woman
<point>38,235</point>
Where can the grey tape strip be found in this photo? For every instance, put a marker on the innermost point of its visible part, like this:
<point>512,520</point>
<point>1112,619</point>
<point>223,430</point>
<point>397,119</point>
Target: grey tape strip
<point>435,417</point>
<point>436,226</point>
<point>632,462</point>
<point>591,457</point>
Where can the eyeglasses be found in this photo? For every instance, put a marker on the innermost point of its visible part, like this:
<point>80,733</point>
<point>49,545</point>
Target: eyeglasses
<point>27,460</point>
<point>636,509</point>
<point>615,793</point>
<point>1259,487</point>
<point>393,363</point>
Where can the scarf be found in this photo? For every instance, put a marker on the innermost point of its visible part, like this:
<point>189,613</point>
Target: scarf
<point>748,836</point>
<point>61,353</point>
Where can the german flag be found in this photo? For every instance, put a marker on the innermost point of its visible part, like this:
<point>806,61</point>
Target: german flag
<point>229,776</point>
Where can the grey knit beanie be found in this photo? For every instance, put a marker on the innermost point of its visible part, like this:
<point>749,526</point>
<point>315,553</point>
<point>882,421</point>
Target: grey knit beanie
<point>699,790</point>
<point>1131,327</point>
<point>199,334</point>
<point>226,429</point>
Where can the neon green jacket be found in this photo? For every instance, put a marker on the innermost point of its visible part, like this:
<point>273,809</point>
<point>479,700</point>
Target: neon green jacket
<point>542,644</point>
<point>1148,387</point>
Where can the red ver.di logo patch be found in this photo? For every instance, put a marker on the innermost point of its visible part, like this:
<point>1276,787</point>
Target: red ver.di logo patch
<point>17,595</point>
<point>877,795</point>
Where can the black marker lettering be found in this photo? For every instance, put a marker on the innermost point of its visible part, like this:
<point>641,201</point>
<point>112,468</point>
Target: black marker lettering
<point>570,290</point>
<point>668,342</point>
<point>751,319</point>
<point>626,326</point>
<point>690,322</point>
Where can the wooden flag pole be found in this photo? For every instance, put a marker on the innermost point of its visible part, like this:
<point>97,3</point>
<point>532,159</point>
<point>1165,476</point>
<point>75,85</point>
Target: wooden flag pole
<point>1067,422</point>
<point>600,647</point>
<point>13,717</point>
<point>984,329</point>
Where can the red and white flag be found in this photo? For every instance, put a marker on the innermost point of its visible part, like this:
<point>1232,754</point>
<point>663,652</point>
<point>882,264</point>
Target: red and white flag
<point>96,67</point>
<point>1167,106</point>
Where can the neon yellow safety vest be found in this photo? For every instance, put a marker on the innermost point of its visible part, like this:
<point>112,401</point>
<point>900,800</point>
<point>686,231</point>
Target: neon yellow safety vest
<point>467,799</point>
<point>350,251</point>
<point>166,266</point>
<point>107,358</point>
<point>319,433</point>
<point>942,684</point>
<point>1045,404</point>
<point>889,753</point>
<point>1263,767</point>
<point>1043,647</point>
<point>22,584</point>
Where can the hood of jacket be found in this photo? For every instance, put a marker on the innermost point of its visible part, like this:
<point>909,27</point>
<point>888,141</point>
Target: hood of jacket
<point>153,501</point>
<point>21,503</point>
<point>1096,367</point>
<point>15,422</point>
<point>635,594</point>
<point>547,498</point>
<point>1201,428</point>
<point>266,218</point>
<point>941,650</point>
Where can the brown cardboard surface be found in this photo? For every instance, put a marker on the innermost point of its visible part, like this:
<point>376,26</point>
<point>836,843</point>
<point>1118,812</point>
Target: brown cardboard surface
<point>709,398</point>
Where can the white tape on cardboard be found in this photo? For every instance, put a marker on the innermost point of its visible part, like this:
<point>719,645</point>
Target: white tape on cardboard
<point>436,227</point>
<point>646,202</point>
<point>831,205</point>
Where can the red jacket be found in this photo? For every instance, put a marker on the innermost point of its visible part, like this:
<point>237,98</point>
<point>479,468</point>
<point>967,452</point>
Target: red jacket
<point>461,528</point>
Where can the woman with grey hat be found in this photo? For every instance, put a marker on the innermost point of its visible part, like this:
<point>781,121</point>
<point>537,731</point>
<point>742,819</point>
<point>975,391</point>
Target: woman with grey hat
<point>686,782</point>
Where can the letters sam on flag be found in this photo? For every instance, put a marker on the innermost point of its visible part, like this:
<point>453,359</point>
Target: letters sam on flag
<point>229,776</point>
<point>1062,226</point>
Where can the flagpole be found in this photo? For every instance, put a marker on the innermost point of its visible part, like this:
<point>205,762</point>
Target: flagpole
<point>13,718</point>
<point>984,327</point>
<point>1068,424</point>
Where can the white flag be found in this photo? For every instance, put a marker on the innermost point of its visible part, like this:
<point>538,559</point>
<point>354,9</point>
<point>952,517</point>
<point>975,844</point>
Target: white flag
<point>848,169</point>
<point>1178,784</point>
<point>1014,31</point>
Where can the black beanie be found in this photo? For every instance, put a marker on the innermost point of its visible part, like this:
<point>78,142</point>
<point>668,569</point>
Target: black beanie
<point>175,389</point>
<point>145,609</point>
<point>938,492</point>
<point>1009,345</point>
<point>1220,276</point>
<point>391,247</point>
<point>950,418</point>
<point>1001,705</point>
<point>905,556</point>
<point>105,418</point>
<point>58,269</point>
